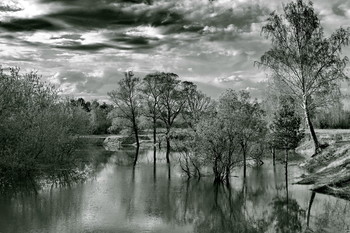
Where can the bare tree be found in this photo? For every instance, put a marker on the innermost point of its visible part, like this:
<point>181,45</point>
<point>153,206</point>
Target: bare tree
<point>197,105</point>
<point>128,104</point>
<point>151,96</point>
<point>171,103</point>
<point>302,60</point>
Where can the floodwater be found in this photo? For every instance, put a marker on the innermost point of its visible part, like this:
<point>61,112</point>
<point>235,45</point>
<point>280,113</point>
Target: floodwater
<point>120,199</point>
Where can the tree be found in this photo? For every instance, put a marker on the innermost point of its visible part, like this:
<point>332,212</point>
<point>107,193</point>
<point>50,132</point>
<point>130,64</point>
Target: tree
<point>38,129</point>
<point>171,103</point>
<point>98,117</point>
<point>190,158</point>
<point>216,146</point>
<point>304,62</point>
<point>151,96</point>
<point>244,121</point>
<point>128,104</point>
<point>197,106</point>
<point>286,133</point>
<point>285,129</point>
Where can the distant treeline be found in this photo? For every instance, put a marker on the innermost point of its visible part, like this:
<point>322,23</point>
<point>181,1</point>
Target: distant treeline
<point>96,114</point>
<point>333,118</point>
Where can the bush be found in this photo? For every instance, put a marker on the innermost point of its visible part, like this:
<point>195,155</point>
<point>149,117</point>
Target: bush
<point>37,129</point>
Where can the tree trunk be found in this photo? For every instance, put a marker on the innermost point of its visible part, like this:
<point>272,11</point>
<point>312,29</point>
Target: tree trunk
<point>137,153</point>
<point>137,144</point>
<point>154,141</point>
<point>273,156</point>
<point>154,173</point>
<point>313,194</point>
<point>244,164</point>
<point>286,175</point>
<point>228,170</point>
<point>311,128</point>
<point>217,178</point>
<point>167,149</point>
<point>169,172</point>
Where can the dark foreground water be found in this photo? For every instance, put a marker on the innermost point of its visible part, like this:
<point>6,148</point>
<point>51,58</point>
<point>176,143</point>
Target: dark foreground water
<point>120,199</point>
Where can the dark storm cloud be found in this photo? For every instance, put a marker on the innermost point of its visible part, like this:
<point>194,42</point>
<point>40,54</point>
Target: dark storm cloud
<point>137,40</point>
<point>95,18</point>
<point>96,2</point>
<point>8,36</point>
<point>108,17</point>
<point>127,43</point>
<point>19,25</point>
<point>8,8</point>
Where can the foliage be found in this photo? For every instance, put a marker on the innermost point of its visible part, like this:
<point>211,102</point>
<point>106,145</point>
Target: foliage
<point>286,133</point>
<point>171,104</point>
<point>151,94</point>
<point>244,122</point>
<point>99,120</point>
<point>288,215</point>
<point>216,146</point>
<point>190,160</point>
<point>303,62</point>
<point>37,129</point>
<point>334,117</point>
<point>197,106</point>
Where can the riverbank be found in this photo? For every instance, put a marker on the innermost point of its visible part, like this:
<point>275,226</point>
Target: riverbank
<point>329,171</point>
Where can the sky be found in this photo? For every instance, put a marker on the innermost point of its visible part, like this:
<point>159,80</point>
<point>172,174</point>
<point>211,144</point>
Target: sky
<point>85,46</point>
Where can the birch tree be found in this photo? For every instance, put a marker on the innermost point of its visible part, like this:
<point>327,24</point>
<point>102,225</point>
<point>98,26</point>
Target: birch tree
<point>303,61</point>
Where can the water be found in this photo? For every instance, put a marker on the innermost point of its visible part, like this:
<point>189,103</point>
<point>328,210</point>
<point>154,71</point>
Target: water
<point>120,199</point>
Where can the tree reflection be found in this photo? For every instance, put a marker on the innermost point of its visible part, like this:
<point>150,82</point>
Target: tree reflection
<point>91,160</point>
<point>227,212</point>
<point>208,207</point>
<point>334,218</point>
<point>287,215</point>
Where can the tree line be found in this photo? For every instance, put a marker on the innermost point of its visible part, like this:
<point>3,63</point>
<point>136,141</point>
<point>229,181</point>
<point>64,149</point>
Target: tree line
<point>220,134</point>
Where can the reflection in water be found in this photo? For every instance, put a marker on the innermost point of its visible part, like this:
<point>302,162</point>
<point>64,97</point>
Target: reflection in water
<point>287,214</point>
<point>313,194</point>
<point>144,199</point>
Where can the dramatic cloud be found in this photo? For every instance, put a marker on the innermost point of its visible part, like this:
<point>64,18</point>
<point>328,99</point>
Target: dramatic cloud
<point>84,46</point>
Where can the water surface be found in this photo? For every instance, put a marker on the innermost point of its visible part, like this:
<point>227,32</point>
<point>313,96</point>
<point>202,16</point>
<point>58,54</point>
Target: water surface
<point>121,199</point>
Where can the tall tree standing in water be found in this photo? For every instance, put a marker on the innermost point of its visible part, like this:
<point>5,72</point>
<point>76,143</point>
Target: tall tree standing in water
<point>243,119</point>
<point>302,60</point>
<point>151,95</point>
<point>286,133</point>
<point>128,104</point>
<point>171,103</point>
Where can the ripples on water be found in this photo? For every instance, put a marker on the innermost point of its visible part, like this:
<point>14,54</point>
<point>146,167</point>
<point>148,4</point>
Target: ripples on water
<point>120,199</point>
